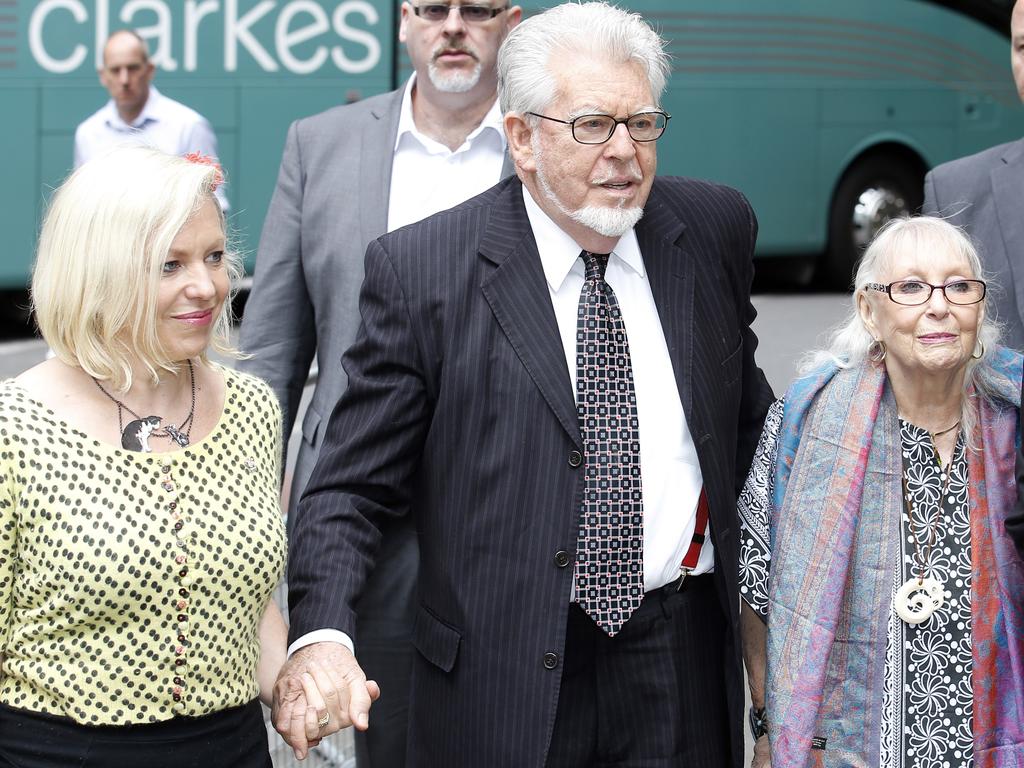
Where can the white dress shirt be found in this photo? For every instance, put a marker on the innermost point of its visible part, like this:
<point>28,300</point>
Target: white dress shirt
<point>427,177</point>
<point>163,124</point>
<point>669,470</point>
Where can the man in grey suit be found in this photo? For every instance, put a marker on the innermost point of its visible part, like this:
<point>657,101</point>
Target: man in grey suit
<point>984,194</point>
<point>347,176</point>
<point>556,381</point>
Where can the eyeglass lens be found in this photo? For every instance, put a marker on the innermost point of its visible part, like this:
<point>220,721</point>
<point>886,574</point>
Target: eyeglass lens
<point>914,292</point>
<point>470,13</point>
<point>597,129</point>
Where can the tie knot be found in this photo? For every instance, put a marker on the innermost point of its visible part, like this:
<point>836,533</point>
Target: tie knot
<point>594,264</point>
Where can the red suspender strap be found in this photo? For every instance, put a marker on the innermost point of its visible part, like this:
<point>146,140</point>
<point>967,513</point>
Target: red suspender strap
<point>699,530</point>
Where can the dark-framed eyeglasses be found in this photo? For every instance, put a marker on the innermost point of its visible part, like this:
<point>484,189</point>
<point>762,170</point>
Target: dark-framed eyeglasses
<point>912,293</point>
<point>472,14</point>
<point>597,129</point>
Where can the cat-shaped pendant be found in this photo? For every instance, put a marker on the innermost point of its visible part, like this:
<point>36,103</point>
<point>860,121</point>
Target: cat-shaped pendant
<point>136,435</point>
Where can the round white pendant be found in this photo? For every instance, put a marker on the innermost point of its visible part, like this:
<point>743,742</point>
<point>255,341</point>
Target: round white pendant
<point>918,599</point>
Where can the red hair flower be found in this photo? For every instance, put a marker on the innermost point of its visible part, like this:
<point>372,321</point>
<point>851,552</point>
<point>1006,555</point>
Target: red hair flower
<point>200,159</point>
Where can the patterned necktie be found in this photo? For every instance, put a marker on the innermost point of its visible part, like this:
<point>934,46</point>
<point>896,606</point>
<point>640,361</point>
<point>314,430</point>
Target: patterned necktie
<point>609,568</point>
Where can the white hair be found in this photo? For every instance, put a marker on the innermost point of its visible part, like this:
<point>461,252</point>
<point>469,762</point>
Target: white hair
<point>106,234</point>
<point>849,342</point>
<point>525,82</point>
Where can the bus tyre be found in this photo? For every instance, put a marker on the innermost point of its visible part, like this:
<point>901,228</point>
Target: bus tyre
<point>873,190</point>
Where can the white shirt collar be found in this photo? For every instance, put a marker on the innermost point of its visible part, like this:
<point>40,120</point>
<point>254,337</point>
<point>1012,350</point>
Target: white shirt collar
<point>149,113</point>
<point>407,126</point>
<point>559,253</point>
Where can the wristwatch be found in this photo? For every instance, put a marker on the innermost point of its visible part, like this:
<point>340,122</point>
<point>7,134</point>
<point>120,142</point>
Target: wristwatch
<point>758,719</point>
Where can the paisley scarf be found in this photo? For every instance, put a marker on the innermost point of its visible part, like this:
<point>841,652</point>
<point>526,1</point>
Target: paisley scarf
<point>835,546</point>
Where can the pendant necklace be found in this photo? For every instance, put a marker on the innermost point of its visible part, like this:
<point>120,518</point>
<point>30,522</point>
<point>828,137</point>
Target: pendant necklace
<point>922,595</point>
<point>135,435</point>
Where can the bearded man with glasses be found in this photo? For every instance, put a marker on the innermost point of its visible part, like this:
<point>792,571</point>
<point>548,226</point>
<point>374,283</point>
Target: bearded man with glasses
<point>556,381</point>
<point>348,175</point>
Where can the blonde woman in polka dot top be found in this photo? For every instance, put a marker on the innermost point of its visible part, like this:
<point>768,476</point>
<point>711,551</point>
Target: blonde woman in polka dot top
<point>140,530</point>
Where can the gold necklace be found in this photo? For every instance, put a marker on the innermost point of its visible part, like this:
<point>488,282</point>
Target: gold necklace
<point>944,431</point>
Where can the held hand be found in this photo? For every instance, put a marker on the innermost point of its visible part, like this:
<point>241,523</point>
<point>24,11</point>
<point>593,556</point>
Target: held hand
<point>320,690</point>
<point>762,753</point>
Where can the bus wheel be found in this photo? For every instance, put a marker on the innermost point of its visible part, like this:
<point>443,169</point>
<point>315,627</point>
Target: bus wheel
<point>875,189</point>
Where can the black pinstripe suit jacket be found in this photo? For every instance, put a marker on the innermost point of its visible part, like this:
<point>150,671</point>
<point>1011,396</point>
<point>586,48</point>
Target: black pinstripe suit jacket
<point>459,410</point>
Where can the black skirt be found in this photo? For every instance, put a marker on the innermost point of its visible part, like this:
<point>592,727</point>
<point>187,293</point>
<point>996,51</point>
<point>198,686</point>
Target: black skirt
<point>231,738</point>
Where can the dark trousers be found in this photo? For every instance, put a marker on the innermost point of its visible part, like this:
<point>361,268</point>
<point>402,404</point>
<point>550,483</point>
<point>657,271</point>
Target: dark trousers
<point>387,611</point>
<point>232,738</point>
<point>387,658</point>
<point>653,696</point>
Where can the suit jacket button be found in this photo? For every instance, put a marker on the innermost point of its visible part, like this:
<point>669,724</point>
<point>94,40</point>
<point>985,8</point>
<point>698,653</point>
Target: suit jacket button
<point>575,459</point>
<point>550,660</point>
<point>561,558</point>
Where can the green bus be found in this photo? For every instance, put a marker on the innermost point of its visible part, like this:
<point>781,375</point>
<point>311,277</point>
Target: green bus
<point>826,114</point>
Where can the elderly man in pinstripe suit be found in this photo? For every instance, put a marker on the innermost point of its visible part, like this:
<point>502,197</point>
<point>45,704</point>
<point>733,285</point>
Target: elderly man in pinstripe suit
<point>556,379</point>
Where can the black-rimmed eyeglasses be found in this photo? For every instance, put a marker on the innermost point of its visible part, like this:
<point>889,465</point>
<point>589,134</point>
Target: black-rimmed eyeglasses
<point>912,293</point>
<point>473,14</point>
<point>597,129</point>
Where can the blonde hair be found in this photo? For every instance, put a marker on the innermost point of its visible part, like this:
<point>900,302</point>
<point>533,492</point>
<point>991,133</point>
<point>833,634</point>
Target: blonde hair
<point>104,240</point>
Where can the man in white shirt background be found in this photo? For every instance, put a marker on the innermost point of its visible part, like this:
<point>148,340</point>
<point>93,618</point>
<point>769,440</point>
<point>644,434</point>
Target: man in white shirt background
<point>139,114</point>
<point>347,176</point>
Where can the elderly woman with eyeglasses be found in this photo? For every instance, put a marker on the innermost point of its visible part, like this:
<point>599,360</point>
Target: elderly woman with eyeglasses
<point>882,614</point>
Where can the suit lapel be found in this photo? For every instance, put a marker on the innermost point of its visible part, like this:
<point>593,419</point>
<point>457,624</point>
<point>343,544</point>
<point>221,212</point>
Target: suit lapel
<point>518,296</point>
<point>671,274</point>
<point>1007,192</point>
<point>672,270</point>
<point>376,153</point>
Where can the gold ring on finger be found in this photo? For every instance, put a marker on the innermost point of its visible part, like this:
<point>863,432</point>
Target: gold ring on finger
<point>323,721</point>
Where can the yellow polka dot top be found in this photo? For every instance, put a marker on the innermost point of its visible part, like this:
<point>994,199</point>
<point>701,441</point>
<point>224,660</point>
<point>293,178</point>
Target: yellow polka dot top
<point>132,584</point>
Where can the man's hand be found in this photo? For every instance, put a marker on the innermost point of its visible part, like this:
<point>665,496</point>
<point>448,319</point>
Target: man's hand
<point>321,681</point>
<point>762,753</point>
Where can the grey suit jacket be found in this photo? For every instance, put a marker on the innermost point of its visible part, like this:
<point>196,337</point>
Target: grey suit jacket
<point>331,201</point>
<point>984,194</point>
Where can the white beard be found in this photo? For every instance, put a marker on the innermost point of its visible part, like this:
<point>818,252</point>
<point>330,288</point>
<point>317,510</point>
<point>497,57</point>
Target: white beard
<point>453,82</point>
<point>605,221</point>
<point>609,222</point>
